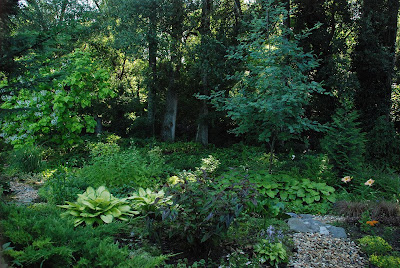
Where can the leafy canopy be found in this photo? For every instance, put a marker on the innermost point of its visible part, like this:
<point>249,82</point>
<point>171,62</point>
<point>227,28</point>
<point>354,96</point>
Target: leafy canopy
<point>271,92</point>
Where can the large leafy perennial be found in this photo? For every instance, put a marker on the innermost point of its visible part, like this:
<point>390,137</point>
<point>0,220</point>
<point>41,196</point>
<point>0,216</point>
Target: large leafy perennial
<point>98,206</point>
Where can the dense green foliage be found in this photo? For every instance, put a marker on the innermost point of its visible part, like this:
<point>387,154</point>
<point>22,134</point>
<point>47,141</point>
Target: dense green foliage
<point>344,143</point>
<point>39,236</point>
<point>268,107</point>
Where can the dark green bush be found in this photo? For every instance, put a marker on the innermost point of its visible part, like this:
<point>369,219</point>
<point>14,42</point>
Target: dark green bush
<point>41,238</point>
<point>203,211</point>
<point>62,185</point>
<point>383,145</point>
<point>344,143</point>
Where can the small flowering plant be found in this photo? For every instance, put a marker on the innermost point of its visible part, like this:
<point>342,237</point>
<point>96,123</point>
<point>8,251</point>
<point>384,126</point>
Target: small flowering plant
<point>359,187</point>
<point>347,179</point>
<point>270,250</point>
<point>369,182</point>
<point>372,223</point>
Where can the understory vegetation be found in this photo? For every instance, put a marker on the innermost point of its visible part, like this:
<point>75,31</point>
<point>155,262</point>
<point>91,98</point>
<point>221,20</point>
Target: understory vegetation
<point>184,133</point>
<point>224,208</point>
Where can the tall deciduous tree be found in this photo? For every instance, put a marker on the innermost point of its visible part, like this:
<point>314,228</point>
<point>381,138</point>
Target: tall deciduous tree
<point>329,42</point>
<point>270,95</point>
<point>8,8</point>
<point>205,31</point>
<point>176,20</point>
<point>373,59</point>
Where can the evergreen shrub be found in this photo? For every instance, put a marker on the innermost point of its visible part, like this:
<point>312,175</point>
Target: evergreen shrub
<point>344,143</point>
<point>39,237</point>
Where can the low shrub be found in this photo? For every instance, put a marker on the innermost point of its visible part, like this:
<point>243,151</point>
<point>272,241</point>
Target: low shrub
<point>374,245</point>
<point>38,237</point>
<point>385,261</point>
<point>271,250</point>
<point>61,185</point>
<point>203,211</point>
<point>126,168</point>
<point>148,202</point>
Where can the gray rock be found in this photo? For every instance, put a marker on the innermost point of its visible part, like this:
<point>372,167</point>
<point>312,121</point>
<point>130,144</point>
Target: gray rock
<point>306,216</point>
<point>337,232</point>
<point>298,225</point>
<point>314,225</point>
<point>293,215</point>
<point>323,230</point>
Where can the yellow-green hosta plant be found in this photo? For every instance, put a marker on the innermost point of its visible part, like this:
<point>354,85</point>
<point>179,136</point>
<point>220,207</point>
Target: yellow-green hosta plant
<point>147,201</point>
<point>98,207</point>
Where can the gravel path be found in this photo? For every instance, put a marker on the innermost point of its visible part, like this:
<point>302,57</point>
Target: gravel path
<point>22,192</point>
<point>314,250</point>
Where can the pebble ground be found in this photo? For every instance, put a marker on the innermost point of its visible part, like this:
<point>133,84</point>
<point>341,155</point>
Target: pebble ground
<point>314,250</point>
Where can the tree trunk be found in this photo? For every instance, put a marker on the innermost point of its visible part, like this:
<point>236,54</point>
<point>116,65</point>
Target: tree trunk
<point>202,127</point>
<point>99,125</point>
<point>151,97</point>
<point>171,109</point>
<point>169,124</point>
<point>373,60</point>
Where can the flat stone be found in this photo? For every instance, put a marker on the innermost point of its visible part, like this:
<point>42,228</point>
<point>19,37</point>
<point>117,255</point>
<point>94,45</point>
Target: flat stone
<point>293,215</point>
<point>298,225</point>
<point>323,230</point>
<point>337,232</point>
<point>313,225</point>
<point>306,216</point>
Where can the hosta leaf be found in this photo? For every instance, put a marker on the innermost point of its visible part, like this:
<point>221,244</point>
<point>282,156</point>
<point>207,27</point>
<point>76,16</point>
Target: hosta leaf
<point>105,195</point>
<point>116,212</point>
<point>142,192</point>
<point>87,215</point>
<point>300,193</point>
<point>89,204</point>
<point>124,208</point>
<point>90,221</point>
<point>90,192</point>
<point>100,190</point>
<point>284,196</point>
<point>309,200</point>
<point>331,198</point>
<point>107,218</point>
<point>74,213</point>
<point>77,222</point>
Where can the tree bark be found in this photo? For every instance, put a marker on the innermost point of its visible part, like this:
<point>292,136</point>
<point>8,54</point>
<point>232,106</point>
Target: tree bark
<point>202,127</point>
<point>99,125</point>
<point>151,97</point>
<point>373,60</point>
<point>171,109</point>
<point>169,124</point>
